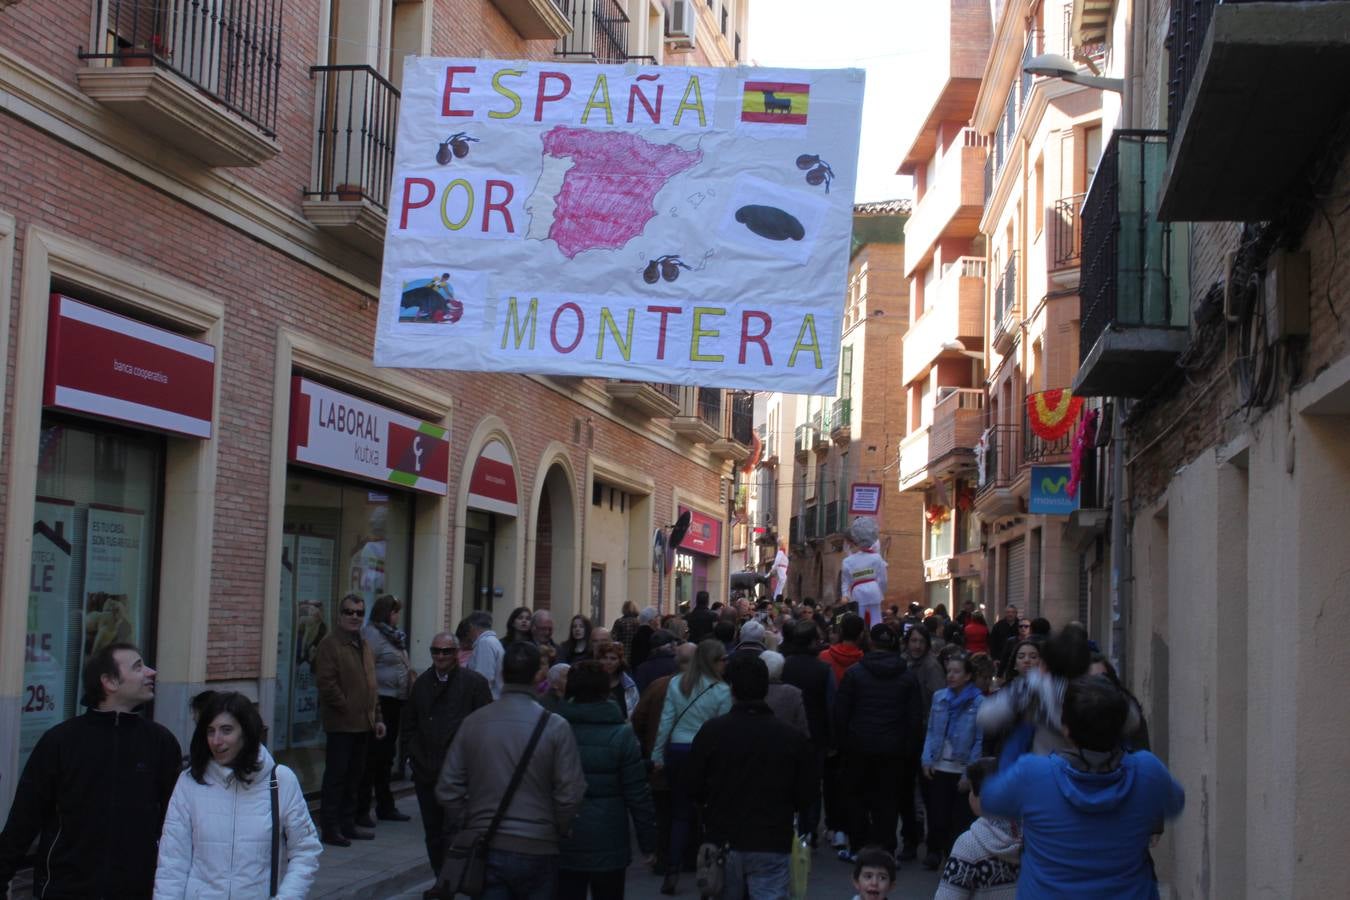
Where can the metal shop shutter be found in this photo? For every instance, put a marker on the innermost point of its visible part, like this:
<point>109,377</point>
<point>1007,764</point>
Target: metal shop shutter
<point>1015,587</point>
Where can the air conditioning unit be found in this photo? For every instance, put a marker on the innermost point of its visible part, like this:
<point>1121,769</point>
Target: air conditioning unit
<point>681,24</point>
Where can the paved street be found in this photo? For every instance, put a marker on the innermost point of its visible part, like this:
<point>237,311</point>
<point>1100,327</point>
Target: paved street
<point>393,866</point>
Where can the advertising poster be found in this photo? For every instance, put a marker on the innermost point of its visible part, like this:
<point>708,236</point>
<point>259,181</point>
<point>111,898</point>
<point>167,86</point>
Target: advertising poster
<point>43,702</point>
<point>313,602</point>
<point>670,224</point>
<point>1050,492</point>
<point>285,645</point>
<point>112,577</point>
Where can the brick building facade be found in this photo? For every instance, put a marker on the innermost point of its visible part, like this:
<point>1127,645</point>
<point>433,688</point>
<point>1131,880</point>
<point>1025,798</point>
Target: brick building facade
<point>176,201</point>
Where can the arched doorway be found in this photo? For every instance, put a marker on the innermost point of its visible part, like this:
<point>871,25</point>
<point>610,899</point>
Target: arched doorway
<point>555,581</point>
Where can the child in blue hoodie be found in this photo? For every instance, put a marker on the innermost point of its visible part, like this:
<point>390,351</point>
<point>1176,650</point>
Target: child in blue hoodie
<point>1087,811</point>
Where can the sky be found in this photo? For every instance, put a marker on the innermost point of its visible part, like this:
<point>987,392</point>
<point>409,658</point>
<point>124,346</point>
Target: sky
<point>885,37</point>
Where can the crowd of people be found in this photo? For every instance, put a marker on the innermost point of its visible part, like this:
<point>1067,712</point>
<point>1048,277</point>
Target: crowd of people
<point>720,742</point>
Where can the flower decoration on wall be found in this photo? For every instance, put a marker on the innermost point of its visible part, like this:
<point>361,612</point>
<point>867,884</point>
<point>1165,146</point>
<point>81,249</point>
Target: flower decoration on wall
<point>936,514</point>
<point>1051,414</point>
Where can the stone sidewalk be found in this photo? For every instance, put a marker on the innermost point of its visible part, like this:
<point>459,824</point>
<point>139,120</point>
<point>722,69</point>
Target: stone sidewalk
<point>394,867</point>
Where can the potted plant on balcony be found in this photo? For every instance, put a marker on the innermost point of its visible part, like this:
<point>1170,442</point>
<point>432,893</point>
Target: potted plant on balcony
<point>144,53</point>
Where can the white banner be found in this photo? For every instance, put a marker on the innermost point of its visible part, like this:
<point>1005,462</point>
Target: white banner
<point>677,225</point>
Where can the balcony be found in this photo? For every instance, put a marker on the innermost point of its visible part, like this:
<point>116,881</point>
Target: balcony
<point>1038,451</point>
<point>948,445</point>
<point>701,423</point>
<point>356,117</point>
<point>804,439</point>
<point>832,522</point>
<point>1005,308</point>
<point>952,204</point>
<point>599,33</point>
<point>1132,328</point>
<point>738,429</point>
<point>810,523</point>
<point>1255,91</point>
<point>654,399</point>
<point>794,531</point>
<point>996,496</point>
<point>1066,241</point>
<point>954,313</point>
<point>202,78</point>
<point>820,430</point>
<point>536,19</point>
<point>841,415</point>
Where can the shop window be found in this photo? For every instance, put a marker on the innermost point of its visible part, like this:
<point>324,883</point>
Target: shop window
<point>339,538</point>
<point>94,563</point>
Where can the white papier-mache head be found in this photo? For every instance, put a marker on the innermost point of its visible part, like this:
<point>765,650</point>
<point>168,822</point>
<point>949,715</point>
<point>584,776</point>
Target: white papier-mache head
<point>863,533</point>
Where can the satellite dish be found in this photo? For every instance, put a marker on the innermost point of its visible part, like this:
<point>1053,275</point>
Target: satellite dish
<point>680,529</point>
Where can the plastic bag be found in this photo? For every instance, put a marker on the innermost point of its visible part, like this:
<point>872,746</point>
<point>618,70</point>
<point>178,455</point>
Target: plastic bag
<point>800,867</point>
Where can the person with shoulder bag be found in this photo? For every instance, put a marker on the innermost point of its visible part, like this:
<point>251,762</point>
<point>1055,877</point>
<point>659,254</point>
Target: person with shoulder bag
<point>511,785</point>
<point>237,820</point>
<point>394,678</point>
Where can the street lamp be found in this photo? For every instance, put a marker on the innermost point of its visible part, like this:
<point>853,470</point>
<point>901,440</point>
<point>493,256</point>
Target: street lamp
<point>1053,65</point>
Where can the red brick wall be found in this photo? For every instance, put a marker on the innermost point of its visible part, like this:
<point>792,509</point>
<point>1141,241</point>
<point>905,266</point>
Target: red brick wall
<point>44,181</point>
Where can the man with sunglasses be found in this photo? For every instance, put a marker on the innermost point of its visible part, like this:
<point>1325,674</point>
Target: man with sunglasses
<point>344,670</point>
<point>441,698</point>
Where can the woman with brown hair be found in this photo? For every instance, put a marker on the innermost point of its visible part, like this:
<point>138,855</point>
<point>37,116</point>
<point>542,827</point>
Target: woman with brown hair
<point>394,676</point>
<point>622,689</point>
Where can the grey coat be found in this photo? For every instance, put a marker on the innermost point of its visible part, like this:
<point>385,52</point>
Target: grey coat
<point>392,667</point>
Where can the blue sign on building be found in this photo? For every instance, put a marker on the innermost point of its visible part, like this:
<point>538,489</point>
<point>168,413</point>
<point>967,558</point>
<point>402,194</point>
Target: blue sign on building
<point>1050,491</point>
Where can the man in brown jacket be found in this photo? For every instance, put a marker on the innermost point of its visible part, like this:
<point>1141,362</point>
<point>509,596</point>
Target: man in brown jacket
<point>344,670</point>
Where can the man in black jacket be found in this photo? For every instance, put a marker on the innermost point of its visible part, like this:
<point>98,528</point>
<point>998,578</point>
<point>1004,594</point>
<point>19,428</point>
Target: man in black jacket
<point>878,721</point>
<point>700,619</point>
<point>738,768</point>
<point>1004,630</point>
<point>804,670</point>
<point>95,789</point>
<point>441,698</point>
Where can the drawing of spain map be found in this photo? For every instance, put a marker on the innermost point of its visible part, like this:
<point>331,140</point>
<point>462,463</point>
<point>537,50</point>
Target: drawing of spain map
<point>598,188</point>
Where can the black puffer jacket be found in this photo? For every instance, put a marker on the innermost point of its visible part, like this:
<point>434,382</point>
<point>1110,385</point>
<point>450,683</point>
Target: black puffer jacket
<point>804,671</point>
<point>94,792</point>
<point>878,709</point>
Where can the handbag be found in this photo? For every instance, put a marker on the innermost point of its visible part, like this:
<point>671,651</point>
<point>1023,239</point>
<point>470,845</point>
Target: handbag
<point>711,869</point>
<point>465,868</point>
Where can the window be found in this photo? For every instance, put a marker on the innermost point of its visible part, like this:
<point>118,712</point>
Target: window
<point>339,537</point>
<point>846,372</point>
<point>95,561</point>
<point>1039,178</point>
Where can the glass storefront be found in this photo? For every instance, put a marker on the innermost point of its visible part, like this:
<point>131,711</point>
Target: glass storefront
<point>94,563</point>
<point>340,537</point>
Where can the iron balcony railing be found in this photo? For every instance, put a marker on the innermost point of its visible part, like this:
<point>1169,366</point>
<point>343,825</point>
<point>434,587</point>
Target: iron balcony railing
<point>599,31</point>
<point>811,521</point>
<point>743,417</point>
<point>1034,46</point>
<point>1066,232</point>
<point>842,413</point>
<point>1000,457</point>
<point>1190,23</point>
<point>230,51</point>
<point>670,390</point>
<point>1124,279</point>
<point>1036,449</point>
<point>724,20</point>
<point>356,120</point>
<point>710,406</point>
<point>1005,292</point>
<point>817,418</point>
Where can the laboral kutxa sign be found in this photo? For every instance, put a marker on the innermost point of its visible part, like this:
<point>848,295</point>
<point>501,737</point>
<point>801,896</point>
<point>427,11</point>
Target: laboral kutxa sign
<point>661,224</point>
<point>334,430</point>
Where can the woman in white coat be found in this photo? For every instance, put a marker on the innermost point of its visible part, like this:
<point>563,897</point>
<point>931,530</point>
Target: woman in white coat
<point>217,839</point>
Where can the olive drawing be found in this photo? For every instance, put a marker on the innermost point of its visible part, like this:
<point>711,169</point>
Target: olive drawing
<point>456,146</point>
<point>667,267</point>
<point>820,171</point>
<point>771,222</point>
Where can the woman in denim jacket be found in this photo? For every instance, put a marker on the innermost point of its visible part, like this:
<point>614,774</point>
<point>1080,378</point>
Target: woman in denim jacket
<point>953,741</point>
